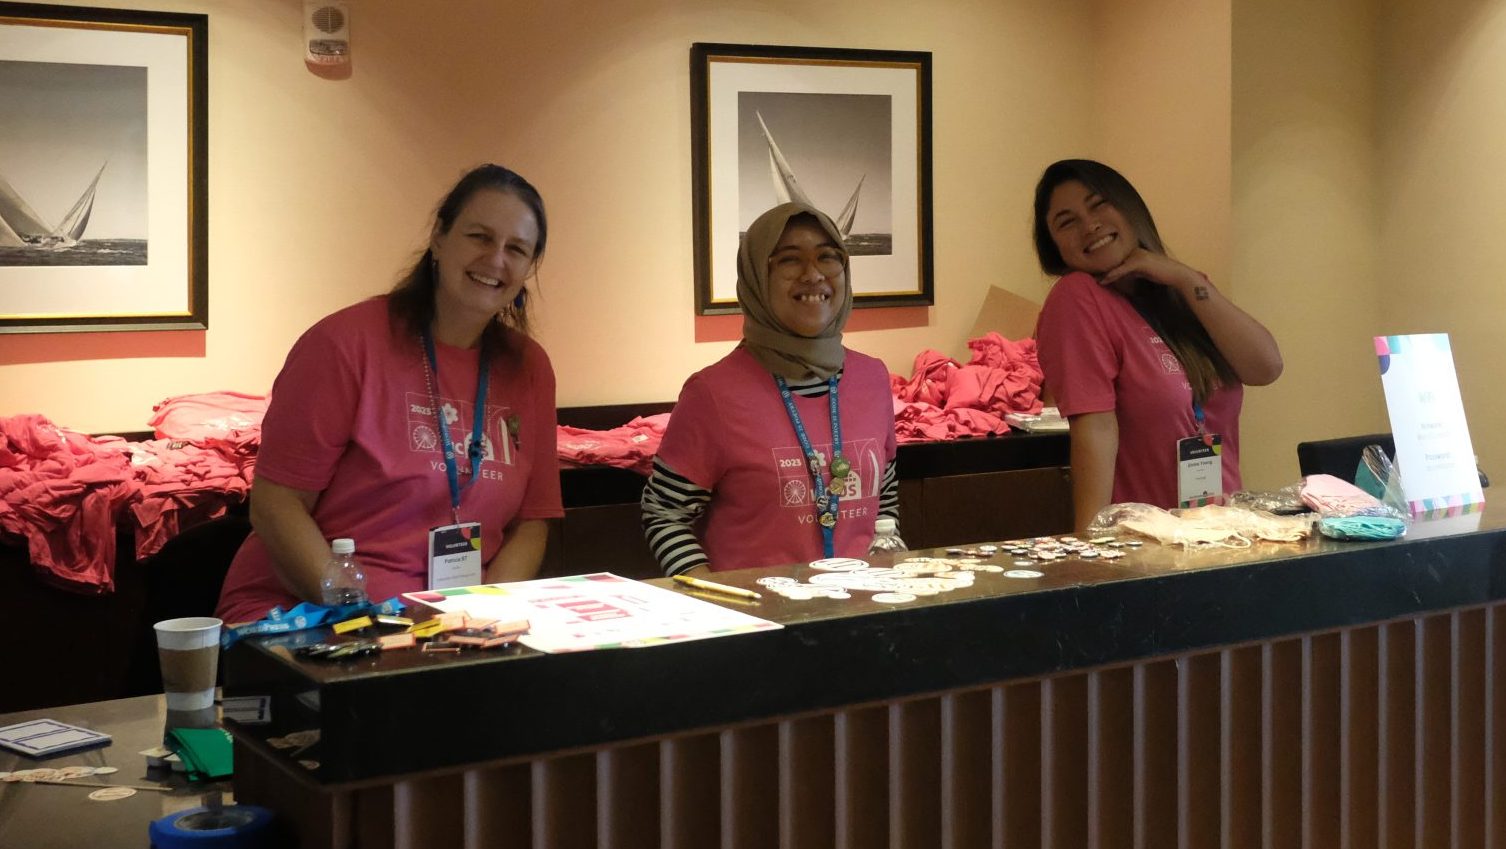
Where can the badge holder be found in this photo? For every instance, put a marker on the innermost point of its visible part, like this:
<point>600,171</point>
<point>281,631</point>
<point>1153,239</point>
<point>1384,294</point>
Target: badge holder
<point>1200,478</point>
<point>455,556</point>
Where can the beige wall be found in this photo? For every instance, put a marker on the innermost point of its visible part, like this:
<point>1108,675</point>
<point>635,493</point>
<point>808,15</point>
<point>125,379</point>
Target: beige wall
<point>1306,221</point>
<point>1161,108</point>
<point>1443,193</point>
<point>320,190</point>
<point>1367,201</point>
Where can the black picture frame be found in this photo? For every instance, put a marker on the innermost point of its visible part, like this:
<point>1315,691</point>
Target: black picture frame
<point>152,271</point>
<point>843,93</point>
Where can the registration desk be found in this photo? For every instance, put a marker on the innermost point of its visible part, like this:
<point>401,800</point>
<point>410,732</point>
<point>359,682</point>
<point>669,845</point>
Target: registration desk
<point>1312,694</point>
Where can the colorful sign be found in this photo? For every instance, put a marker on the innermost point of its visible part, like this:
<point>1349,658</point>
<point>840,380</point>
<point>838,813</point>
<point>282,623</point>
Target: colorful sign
<point>1434,454</point>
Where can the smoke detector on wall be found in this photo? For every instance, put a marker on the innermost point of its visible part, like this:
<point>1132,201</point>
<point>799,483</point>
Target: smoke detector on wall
<point>326,32</point>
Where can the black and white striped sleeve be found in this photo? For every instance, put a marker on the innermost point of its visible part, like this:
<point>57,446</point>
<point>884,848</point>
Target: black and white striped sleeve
<point>671,503</point>
<point>889,493</point>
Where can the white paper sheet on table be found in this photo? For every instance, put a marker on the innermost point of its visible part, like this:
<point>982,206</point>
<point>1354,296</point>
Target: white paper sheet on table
<point>596,611</point>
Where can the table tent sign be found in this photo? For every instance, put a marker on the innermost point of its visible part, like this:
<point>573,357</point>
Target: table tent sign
<point>1434,455</point>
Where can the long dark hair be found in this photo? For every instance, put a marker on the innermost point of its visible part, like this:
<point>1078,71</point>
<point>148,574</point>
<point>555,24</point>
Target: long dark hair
<point>410,304</point>
<point>1162,307</point>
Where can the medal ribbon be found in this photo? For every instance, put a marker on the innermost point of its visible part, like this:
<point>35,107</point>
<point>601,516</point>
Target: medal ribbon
<point>825,502</point>
<point>474,450</point>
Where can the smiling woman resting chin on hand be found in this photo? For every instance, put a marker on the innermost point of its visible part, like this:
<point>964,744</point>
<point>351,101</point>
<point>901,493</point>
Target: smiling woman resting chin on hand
<point>1141,352</point>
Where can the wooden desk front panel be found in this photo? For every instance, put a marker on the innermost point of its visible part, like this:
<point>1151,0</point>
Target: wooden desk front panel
<point>1380,735</point>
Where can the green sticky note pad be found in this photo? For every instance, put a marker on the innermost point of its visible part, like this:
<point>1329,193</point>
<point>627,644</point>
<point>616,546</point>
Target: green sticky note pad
<point>205,751</point>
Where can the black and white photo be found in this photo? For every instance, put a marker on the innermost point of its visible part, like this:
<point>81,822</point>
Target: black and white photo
<point>846,131</point>
<point>103,146</point>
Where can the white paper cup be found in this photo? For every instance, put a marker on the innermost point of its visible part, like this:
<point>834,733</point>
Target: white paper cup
<point>189,651</point>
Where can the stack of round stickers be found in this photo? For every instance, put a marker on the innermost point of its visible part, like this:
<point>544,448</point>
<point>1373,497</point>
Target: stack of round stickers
<point>905,581</point>
<point>65,773</point>
<point>923,576</point>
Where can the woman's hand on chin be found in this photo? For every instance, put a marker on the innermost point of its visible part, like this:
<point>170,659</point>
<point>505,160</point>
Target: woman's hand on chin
<point>1142,264</point>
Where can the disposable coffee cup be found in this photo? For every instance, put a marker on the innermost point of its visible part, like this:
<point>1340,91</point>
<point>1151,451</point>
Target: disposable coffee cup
<point>189,651</point>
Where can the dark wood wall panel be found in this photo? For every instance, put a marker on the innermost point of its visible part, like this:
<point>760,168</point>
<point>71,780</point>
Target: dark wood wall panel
<point>963,509</point>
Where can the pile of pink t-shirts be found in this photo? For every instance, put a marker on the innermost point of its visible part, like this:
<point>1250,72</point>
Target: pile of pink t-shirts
<point>944,399</point>
<point>61,491</point>
<point>201,462</point>
<point>631,446</point>
<point>229,422</point>
<point>65,493</point>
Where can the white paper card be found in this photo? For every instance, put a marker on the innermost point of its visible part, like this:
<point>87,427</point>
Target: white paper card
<point>1433,450</point>
<point>48,736</point>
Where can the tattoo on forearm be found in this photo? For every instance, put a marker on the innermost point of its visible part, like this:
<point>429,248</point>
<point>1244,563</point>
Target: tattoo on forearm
<point>1200,292</point>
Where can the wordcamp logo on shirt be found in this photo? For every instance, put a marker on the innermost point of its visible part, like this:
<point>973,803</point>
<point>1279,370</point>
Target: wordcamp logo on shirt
<point>862,481</point>
<point>1169,362</point>
<point>423,433</point>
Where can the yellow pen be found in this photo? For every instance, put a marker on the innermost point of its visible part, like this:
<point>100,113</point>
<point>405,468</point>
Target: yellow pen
<point>714,587</point>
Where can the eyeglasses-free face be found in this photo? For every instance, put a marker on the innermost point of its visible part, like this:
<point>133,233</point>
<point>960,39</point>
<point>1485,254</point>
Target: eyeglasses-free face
<point>1091,233</point>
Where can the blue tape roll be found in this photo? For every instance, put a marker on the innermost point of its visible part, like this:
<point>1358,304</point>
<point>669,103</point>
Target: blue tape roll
<point>230,827</point>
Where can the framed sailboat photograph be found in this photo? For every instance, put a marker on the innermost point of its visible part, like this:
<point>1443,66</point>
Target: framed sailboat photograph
<point>847,131</point>
<point>103,169</point>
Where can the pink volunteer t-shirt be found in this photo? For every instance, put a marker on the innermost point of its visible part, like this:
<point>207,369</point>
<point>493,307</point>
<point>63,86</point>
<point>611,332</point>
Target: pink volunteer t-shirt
<point>1100,355</point>
<point>351,418</point>
<point>730,433</point>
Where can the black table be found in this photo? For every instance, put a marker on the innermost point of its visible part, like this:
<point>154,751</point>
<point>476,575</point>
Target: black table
<point>52,816</point>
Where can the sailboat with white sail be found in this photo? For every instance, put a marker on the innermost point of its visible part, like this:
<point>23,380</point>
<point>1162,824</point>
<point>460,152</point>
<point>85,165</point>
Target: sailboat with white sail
<point>21,226</point>
<point>787,188</point>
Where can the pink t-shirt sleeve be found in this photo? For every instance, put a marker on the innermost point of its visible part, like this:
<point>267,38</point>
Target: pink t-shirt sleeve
<point>690,441</point>
<point>541,497</point>
<point>1077,350</point>
<point>312,413</point>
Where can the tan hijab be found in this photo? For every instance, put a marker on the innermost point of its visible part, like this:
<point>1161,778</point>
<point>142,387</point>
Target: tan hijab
<point>782,352</point>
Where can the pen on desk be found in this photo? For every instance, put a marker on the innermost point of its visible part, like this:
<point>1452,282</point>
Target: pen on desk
<point>68,781</point>
<point>712,586</point>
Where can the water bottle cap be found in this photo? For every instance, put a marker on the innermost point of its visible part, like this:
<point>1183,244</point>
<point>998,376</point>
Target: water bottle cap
<point>883,525</point>
<point>343,545</point>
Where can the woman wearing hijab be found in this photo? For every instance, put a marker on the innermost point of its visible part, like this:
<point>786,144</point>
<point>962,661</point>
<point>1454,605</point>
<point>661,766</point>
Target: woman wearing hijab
<point>783,451</point>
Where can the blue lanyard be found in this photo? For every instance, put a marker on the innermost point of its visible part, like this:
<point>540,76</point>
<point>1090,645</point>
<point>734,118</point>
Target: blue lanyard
<point>474,450</point>
<point>826,502</point>
<point>1202,430</point>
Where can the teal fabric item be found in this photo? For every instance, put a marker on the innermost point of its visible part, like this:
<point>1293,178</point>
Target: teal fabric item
<point>1367,481</point>
<point>1362,527</point>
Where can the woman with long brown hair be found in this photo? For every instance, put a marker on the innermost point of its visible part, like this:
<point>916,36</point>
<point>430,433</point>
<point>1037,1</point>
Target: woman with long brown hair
<point>1145,357</point>
<point>420,423</point>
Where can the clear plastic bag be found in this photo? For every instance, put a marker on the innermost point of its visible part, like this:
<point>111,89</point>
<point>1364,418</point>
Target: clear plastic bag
<point>1332,497</point>
<point>1286,501</point>
<point>1200,527</point>
<point>1369,509</point>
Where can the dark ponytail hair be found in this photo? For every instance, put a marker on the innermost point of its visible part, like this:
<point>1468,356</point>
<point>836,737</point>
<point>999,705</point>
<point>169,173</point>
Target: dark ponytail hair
<point>410,304</point>
<point>1163,308</point>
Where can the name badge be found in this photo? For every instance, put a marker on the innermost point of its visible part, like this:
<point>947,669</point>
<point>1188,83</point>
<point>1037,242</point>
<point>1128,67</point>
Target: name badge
<point>1200,470</point>
<point>455,556</point>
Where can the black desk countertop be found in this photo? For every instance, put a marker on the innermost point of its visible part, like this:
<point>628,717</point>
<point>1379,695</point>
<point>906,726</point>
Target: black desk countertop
<point>406,711</point>
<point>53,816</point>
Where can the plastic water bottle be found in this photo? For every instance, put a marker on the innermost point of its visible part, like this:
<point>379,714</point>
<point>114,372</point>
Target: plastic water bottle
<point>344,581</point>
<point>886,537</point>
